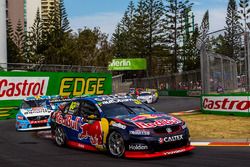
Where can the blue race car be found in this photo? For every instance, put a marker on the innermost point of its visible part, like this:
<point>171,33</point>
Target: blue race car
<point>122,126</point>
<point>34,112</point>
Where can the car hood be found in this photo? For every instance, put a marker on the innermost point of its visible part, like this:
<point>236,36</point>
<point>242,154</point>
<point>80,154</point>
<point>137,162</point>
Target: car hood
<point>145,121</point>
<point>36,111</point>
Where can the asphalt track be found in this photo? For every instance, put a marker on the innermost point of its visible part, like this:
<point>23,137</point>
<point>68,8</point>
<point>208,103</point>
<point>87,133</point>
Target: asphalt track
<point>26,149</point>
<point>176,104</point>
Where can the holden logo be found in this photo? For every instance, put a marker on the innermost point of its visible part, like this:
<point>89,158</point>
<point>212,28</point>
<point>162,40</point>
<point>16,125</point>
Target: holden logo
<point>169,130</point>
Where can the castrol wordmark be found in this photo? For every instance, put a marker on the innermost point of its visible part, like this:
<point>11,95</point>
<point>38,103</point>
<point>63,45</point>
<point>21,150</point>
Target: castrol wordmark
<point>226,103</point>
<point>15,88</point>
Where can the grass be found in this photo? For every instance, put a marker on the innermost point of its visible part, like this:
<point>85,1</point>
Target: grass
<point>207,126</point>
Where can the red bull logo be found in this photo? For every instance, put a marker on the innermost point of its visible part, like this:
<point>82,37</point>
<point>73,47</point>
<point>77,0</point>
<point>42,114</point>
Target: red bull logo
<point>93,132</point>
<point>67,121</point>
<point>147,116</point>
<point>160,122</point>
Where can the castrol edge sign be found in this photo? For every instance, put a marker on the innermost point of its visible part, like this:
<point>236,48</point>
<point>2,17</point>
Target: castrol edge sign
<point>226,103</point>
<point>16,88</point>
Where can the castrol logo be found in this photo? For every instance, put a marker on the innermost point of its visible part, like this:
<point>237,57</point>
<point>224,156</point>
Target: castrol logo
<point>224,103</point>
<point>15,88</point>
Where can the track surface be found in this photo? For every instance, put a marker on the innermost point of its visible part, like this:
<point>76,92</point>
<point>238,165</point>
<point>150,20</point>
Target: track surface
<point>176,104</point>
<point>25,149</point>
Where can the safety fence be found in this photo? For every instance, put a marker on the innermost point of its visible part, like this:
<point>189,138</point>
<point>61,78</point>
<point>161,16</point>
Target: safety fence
<point>190,80</point>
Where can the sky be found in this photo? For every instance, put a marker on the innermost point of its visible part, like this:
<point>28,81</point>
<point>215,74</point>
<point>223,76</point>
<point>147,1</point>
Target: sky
<point>106,14</point>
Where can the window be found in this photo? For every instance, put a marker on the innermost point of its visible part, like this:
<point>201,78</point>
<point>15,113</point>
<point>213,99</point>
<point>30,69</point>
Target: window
<point>87,108</point>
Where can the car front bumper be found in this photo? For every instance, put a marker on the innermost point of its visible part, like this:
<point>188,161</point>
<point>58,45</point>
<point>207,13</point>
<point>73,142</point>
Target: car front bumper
<point>145,154</point>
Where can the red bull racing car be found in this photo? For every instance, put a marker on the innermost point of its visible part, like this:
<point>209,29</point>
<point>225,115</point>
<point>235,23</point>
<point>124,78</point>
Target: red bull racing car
<point>122,126</point>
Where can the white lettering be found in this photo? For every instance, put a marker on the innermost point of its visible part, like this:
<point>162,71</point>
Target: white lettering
<point>15,88</point>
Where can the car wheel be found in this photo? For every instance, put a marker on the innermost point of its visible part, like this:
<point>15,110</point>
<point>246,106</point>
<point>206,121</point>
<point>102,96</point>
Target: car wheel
<point>116,145</point>
<point>60,137</point>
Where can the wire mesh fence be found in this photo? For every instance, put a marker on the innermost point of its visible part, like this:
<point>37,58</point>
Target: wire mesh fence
<point>190,80</point>
<point>224,66</point>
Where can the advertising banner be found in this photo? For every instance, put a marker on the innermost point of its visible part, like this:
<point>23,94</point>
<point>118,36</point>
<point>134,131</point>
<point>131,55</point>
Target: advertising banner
<point>128,64</point>
<point>15,86</point>
<point>236,105</point>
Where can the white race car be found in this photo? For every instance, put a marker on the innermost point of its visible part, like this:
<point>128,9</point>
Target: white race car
<point>147,97</point>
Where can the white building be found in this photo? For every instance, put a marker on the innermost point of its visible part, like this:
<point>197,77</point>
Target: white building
<point>31,9</point>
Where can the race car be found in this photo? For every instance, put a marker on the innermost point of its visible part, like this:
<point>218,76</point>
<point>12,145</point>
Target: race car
<point>147,97</point>
<point>34,112</point>
<point>121,126</point>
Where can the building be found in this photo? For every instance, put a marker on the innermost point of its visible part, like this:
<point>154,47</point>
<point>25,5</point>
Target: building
<point>31,7</point>
<point>26,10</point>
<point>15,12</point>
<point>47,6</point>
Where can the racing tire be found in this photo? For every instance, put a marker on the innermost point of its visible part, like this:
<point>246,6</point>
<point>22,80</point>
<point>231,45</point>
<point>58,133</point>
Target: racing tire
<point>60,137</point>
<point>116,145</point>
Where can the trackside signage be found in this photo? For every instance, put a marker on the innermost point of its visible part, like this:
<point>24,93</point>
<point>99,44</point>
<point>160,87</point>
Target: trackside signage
<point>226,103</point>
<point>128,64</point>
<point>15,88</point>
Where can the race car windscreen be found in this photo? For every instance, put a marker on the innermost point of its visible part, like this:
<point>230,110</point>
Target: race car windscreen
<point>33,103</point>
<point>125,108</point>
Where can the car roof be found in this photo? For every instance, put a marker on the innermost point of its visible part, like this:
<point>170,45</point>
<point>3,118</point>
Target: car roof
<point>101,98</point>
<point>50,98</point>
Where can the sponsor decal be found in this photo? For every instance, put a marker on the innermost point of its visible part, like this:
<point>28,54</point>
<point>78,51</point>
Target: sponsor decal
<point>161,140</point>
<point>139,132</point>
<point>39,122</point>
<point>68,121</point>
<point>16,88</point>
<point>93,132</point>
<point>36,111</point>
<point>147,116</point>
<point>116,101</point>
<point>118,125</point>
<point>233,103</point>
<point>174,152</point>
<point>80,86</point>
<point>160,122</point>
<point>171,139</point>
<point>138,147</point>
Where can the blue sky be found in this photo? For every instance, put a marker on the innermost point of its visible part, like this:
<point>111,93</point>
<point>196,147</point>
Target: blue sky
<point>107,13</point>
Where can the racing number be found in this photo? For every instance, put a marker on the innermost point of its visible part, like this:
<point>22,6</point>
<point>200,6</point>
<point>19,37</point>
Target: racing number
<point>137,102</point>
<point>73,105</point>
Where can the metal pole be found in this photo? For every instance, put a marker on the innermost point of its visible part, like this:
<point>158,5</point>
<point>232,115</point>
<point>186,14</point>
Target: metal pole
<point>202,68</point>
<point>248,61</point>
<point>3,35</point>
<point>205,75</point>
